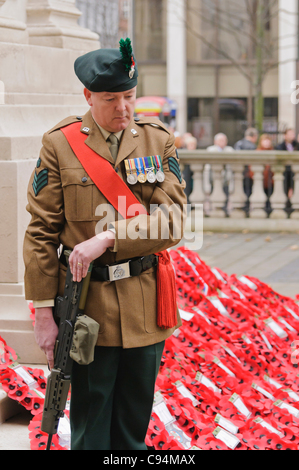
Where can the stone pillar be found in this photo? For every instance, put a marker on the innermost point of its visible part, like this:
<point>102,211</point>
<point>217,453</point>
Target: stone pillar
<point>238,198</point>
<point>218,197</point>
<point>258,197</point>
<point>295,196</point>
<point>288,40</point>
<point>54,23</point>
<point>197,196</point>
<point>278,198</point>
<point>177,60</point>
<point>38,88</point>
<point>13,22</point>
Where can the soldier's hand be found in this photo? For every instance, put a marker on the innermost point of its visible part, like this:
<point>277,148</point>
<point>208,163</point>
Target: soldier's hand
<point>46,332</point>
<point>86,252</point>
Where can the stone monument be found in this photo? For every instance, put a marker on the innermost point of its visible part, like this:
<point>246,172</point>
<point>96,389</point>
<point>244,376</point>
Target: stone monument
<point>39,42</point>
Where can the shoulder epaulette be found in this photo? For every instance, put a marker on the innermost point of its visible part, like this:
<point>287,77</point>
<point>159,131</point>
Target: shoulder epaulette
<point>66,122</point>
<point>151,121</point>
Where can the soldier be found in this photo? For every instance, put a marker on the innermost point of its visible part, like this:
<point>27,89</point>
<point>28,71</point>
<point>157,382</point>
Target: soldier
<point>112,397</point>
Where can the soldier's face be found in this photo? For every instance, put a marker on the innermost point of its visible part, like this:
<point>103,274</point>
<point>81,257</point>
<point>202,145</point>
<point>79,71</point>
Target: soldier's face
<point>112,111</point>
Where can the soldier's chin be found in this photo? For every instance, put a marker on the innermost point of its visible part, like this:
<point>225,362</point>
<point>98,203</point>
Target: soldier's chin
<point>121,123</point>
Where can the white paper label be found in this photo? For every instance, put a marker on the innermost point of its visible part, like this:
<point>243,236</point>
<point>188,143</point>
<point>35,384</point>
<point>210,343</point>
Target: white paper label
<point>248,283</point>
<point>269,427</point>
<point>179,435</point>
<point>222,295</point>
<point>226,424</point>
<point>220,307</point>
<point>262,391</point>
<point>196,309</point>
<point>207,382</point>
<point>272,382</point>
<point>223,367</point>
<point>64,427</point>
<point>275,328</point>
<point>218,275</point>
<point>289,327</point>
<point>28,379</point>
<point>293,411</point>
<point>269,346</point>
<point>235,289</point>
<point>237,402</point>
<point>246,339</point>
<point>185,392</point>
<point>292,394</point>
<point>163,413</point>
<point>38,393</point>
<point>187,316</point>
<point>291,312</point>
<point>230,352</point>
<point>229,439</point>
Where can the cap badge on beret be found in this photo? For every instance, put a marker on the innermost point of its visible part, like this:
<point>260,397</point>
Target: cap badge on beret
<point>126,51</point>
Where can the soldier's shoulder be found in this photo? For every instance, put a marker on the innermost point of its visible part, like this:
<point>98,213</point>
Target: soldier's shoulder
<point>151,122</point>
<point>64,123</point>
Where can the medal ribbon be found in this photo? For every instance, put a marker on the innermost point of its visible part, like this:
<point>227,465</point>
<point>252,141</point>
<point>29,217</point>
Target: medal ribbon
<point>139,165</point>
<point>132,166</point>
<point>158,162</point>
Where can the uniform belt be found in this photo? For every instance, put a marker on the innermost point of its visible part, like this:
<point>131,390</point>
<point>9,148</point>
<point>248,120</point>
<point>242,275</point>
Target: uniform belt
<point>123,270</point>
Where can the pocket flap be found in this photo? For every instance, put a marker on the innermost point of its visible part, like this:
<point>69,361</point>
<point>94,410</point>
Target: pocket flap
<point>76,176</point>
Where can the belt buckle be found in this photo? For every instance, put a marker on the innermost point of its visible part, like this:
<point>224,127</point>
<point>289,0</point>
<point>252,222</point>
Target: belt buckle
<point>119,271</point>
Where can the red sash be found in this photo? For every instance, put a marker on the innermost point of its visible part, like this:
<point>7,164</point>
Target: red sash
<point>112,186</point>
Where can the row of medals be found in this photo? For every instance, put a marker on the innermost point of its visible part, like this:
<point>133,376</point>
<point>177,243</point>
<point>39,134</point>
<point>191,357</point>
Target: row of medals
<point>152,175</point>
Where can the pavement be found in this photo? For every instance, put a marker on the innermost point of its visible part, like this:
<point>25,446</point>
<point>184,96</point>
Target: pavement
<point>271,257</point>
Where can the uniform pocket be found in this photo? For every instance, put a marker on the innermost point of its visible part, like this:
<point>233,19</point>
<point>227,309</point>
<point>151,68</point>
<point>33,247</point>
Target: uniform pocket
<point>78,190</point>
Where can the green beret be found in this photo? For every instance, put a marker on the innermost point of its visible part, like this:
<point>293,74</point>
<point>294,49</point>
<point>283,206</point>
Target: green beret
<point>110,70</point>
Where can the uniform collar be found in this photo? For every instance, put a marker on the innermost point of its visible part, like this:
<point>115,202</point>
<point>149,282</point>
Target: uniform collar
<point>96,140</point>
<point>106,134</point>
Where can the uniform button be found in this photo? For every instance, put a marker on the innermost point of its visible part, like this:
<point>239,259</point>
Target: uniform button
<point>79,118</point>
<point>84,179</point>
<point>116,169</point>
<point>136,119</point>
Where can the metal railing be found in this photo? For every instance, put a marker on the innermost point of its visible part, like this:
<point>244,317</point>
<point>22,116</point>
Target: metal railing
<point>255,184</point>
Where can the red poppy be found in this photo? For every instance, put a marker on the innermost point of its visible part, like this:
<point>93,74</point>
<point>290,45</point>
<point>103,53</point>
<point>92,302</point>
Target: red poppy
<point>38,405</point>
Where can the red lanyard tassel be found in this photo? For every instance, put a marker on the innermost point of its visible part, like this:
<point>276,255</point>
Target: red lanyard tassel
<point>166,292</point>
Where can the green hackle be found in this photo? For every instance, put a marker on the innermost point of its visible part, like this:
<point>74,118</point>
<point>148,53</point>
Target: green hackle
<point>125,47</point>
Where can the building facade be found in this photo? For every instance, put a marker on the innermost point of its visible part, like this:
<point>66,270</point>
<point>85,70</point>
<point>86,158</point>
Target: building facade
<point>202,54</point>
<point>110,19</point>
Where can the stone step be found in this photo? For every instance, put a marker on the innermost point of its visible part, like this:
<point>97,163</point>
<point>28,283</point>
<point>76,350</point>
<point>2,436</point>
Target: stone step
<point>15,419</point>
<point>14,433</point>
<point>9,407</point>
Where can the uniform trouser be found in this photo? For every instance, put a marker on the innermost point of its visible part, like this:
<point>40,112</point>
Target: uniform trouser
<point>112,398</point>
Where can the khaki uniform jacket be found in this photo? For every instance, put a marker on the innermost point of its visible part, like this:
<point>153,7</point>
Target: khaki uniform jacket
<point>66,209</point>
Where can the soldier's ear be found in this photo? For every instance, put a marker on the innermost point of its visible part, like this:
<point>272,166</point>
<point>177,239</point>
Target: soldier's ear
<point>87,95</point>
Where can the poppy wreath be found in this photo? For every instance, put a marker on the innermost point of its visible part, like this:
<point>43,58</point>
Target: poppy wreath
<point>232,365</point>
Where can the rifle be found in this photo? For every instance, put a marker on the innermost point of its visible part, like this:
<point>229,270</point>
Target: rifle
<point>67,310</point>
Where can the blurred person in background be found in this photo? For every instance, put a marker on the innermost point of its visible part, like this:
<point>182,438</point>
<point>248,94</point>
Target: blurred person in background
<point>220,145</point>
<point>250,140</point>
<point>289,144</point>
<point>248,143</point>
<point>265,143</point>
